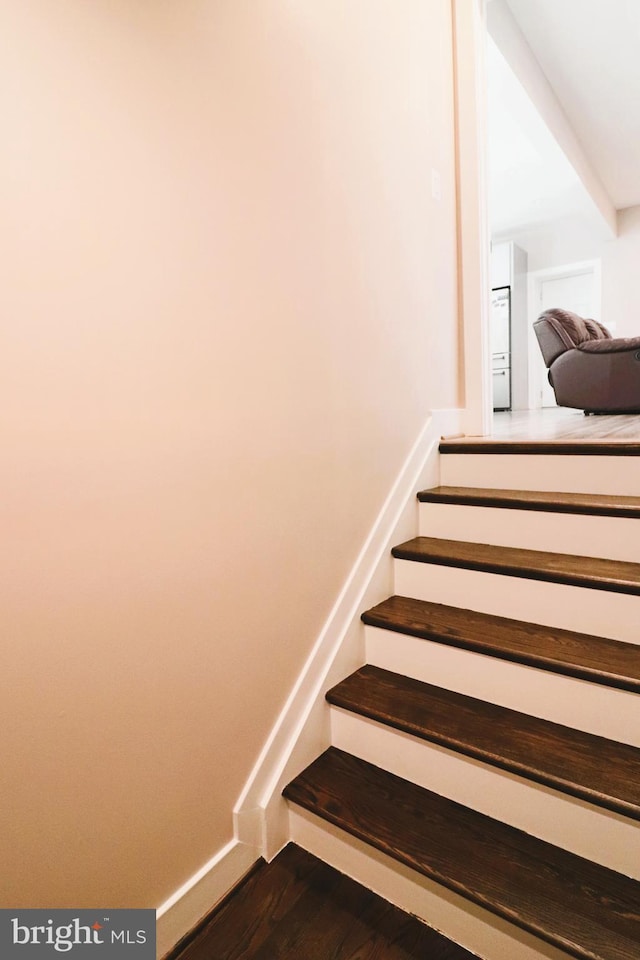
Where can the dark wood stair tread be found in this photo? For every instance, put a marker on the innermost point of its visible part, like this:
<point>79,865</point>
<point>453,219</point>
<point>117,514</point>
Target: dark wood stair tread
<point>580,448</point>
<point>548,501</point>
<point>585,909</point>
<point>299,908</point>
<point>597,659</point>
<point>592,768</point>
<point>618,576</point>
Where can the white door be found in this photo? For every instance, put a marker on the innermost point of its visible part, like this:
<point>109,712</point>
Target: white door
<point>576,292</point>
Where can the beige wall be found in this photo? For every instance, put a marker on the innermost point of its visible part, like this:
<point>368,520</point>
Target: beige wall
<point>228,303</point>
<point>620,288</point>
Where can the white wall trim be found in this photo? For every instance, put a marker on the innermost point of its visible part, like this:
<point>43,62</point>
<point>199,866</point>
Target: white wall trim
<point>194,899</point>
<point>303,729</point>
<point>534,280</point>
<point>470,105</point>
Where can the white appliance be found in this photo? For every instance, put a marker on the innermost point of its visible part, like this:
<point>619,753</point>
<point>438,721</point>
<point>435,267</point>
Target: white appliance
<point>501,347</point>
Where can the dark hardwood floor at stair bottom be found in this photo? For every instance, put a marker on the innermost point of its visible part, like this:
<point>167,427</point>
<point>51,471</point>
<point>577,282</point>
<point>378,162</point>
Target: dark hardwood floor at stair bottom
<point>592,768</point>
<point>597,659</point>
<point>299,908</point>
<point>587,910</point>
<point>618,576</point>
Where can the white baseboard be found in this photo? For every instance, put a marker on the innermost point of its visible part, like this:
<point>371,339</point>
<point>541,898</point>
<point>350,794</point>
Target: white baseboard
<point>195,899</point>
<point>302,730</point>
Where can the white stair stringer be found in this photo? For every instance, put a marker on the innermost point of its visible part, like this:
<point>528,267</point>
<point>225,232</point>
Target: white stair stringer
<point>592,707</point>
<point>602,613</point>
<point>462,921</point>
<point>577,825</point>
<point>613,538</point>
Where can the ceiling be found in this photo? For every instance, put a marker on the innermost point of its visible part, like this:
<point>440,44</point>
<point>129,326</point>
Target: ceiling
<point>589,51</point>
<point>530,179</point>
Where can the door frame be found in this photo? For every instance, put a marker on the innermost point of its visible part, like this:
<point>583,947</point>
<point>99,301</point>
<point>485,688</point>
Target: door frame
<point>470,110</point>
<point>535,280</point>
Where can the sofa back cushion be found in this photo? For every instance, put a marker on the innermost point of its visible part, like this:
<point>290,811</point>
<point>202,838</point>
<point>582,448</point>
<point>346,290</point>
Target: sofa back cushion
<point>573,329</point>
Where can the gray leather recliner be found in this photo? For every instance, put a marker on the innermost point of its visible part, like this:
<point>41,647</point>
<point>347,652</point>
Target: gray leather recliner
<point>588,368</point>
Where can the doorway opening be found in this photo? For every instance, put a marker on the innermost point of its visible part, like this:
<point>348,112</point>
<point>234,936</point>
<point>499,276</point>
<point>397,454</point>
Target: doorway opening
<point>547,233</point>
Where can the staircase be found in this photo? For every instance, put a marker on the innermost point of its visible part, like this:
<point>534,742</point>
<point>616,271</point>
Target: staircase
<point>484,772</point>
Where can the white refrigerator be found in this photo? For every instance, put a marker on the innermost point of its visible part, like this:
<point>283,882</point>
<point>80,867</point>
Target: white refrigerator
<point>501,347</point>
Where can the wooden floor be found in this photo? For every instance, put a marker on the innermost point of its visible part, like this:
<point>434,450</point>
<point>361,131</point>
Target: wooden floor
<point>597,659</point>
<point>560,423</point>
<point>617,576</point>
<point>578,906</point>
<point>299,908</point>
<point>597,770</point>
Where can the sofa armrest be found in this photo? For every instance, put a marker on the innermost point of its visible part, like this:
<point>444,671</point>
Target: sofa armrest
<point>598,380</point>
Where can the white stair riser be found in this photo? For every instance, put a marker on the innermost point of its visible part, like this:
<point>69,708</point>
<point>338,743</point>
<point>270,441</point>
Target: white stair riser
<point>578,826</point>
<point>598,612</point>
<point>591,707</point>
<point>619,476</point>
<point>471,926</point>
<point>616,538</point>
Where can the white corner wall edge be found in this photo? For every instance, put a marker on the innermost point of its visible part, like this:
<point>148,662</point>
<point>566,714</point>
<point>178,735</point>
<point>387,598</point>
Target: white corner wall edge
<point>302,730</point>
<point>472,220</point>
<point>194,899</point>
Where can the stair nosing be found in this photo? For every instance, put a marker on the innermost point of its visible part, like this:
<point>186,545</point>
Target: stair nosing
<point>538,501</point>
<point>467,747</point>
<point>563,448</point>
<point>416,550</point>
<point>530,658</point>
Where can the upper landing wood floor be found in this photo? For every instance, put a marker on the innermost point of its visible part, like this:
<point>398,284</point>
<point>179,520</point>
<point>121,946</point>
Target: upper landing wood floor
<point>561,424</point>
